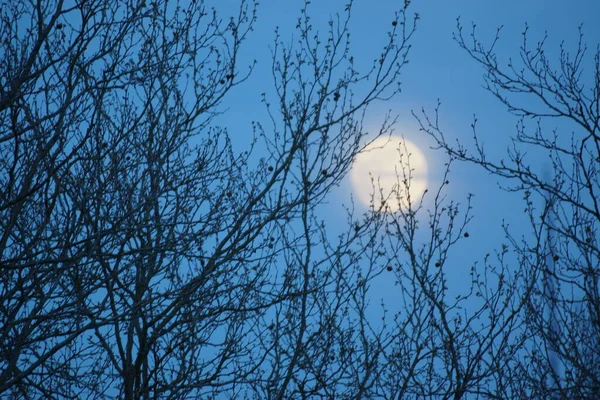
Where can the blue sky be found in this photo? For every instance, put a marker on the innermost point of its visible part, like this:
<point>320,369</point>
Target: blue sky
<point>438,69</point>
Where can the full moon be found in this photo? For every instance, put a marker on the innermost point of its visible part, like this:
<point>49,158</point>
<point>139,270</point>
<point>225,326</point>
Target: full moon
<point>390,173</point>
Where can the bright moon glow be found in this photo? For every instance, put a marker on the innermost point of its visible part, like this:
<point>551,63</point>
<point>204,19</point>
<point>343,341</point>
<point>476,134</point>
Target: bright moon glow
<point>383,171</point>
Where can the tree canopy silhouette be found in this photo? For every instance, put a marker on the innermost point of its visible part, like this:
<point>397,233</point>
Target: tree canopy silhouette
<point>143,256</point>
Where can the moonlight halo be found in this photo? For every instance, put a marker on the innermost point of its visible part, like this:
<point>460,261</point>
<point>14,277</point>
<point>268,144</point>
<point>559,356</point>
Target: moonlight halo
<point>378,173</point>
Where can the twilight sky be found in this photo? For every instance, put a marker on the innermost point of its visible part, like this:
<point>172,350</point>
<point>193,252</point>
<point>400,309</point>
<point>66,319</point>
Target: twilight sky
<point>438,69</point>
